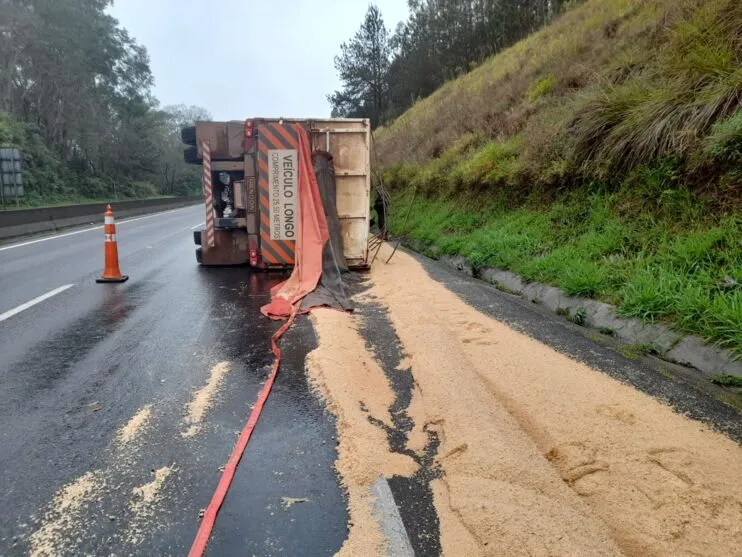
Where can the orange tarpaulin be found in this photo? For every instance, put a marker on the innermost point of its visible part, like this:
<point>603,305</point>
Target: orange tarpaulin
<point>311,238</point>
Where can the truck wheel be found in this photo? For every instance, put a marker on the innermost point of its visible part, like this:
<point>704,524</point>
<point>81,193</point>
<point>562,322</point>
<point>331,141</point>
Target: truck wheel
<point>199,256</point>
<point>188,135</point>
<point>190,156</point>
<point>197,237</point>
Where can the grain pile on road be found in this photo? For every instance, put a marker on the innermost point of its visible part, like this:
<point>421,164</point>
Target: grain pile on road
<point>354,388</point>
<point>135,425</point>
<point>203,399</point>
<point>540,455</point>
<point>143,505</point>
<point>56,536</point>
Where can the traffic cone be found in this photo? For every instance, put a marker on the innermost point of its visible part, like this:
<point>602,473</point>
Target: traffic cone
<point>112,273</point>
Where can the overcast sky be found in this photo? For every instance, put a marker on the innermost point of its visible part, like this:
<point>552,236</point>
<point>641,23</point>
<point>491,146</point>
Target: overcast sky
<point>242,58</point>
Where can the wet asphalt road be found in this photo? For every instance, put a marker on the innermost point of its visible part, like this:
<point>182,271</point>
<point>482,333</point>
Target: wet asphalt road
<point>76,367</point>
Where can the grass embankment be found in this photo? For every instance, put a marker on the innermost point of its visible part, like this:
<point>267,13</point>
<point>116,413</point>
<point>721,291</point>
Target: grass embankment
<point>602,154</point>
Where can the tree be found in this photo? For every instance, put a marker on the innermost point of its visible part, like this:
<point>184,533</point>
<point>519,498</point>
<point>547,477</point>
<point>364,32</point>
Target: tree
<point>180,116</point>
<point>69,70</point>
<point>177,177</point>
<point>443,39</point>
<point>363,66</point>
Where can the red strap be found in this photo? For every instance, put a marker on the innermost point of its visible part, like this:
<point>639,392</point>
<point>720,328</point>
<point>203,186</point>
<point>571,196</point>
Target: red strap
<point>311,238</point>
<point>285,302</point>
<point>207,524</point>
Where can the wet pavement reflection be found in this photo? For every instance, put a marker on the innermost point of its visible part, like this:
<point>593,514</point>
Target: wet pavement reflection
<point>152,342</point>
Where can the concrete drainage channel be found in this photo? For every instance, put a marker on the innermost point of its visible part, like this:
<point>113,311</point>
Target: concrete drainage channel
<point>52,219</point>
<point>632,337</point>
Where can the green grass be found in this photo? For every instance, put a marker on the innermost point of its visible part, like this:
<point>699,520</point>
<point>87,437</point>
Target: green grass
<point>724,143</point>
<point>667,269</point>
<point>579,317</point>
<point>735,401</point>
<point>542,87</point>
<point>637,351</point>
<point>595,337</point>
<point>727,381</point>
<point>602,154</point>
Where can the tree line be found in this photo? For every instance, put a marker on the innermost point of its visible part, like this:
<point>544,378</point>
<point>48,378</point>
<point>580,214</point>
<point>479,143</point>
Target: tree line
<point>73,77</point>
<point>384,73</point>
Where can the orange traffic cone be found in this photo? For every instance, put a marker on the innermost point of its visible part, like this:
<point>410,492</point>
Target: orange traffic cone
<point>112,273</point>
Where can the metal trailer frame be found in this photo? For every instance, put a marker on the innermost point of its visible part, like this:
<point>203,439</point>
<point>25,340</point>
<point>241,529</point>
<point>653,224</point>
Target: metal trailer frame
<point>241,149</point>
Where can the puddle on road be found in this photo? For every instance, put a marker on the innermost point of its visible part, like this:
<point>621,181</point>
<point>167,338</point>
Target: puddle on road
<point>53,358</point>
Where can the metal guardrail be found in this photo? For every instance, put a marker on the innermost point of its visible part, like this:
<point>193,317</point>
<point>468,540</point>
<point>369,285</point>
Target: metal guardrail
<point>50,219</point>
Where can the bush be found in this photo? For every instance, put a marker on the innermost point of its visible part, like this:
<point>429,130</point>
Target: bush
<point>664,111</point>
<point>625,186</point>
<point>541,88</point>
<point>138,190</point>
<point>494,164</point>
<point>724,143</point>
<point>50,180</point>
<point>94,188</point>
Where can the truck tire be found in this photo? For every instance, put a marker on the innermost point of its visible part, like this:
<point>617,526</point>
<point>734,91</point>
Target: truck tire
<point>199,256</point>
<point>190,156</point>
<point>188,135</point>
<point>197,237</point>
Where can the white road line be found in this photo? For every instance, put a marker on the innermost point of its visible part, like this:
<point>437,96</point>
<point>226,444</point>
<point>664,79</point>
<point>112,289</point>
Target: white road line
<point>200,224</point>
<point>10,313</point>
<point>89,229</point>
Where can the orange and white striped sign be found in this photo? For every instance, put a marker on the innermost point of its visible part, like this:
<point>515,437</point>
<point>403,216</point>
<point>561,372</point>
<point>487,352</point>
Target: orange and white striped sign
<point>208,193</point>
<point>278,145</point>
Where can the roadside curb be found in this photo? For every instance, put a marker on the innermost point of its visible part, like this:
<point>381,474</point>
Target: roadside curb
<point>670,345</point>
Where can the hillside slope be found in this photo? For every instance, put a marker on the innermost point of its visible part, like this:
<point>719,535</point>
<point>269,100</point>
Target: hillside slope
<point>601,154</point>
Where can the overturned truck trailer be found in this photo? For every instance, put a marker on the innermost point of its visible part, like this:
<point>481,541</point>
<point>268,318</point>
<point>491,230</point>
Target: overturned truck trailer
<point>251,180</point>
